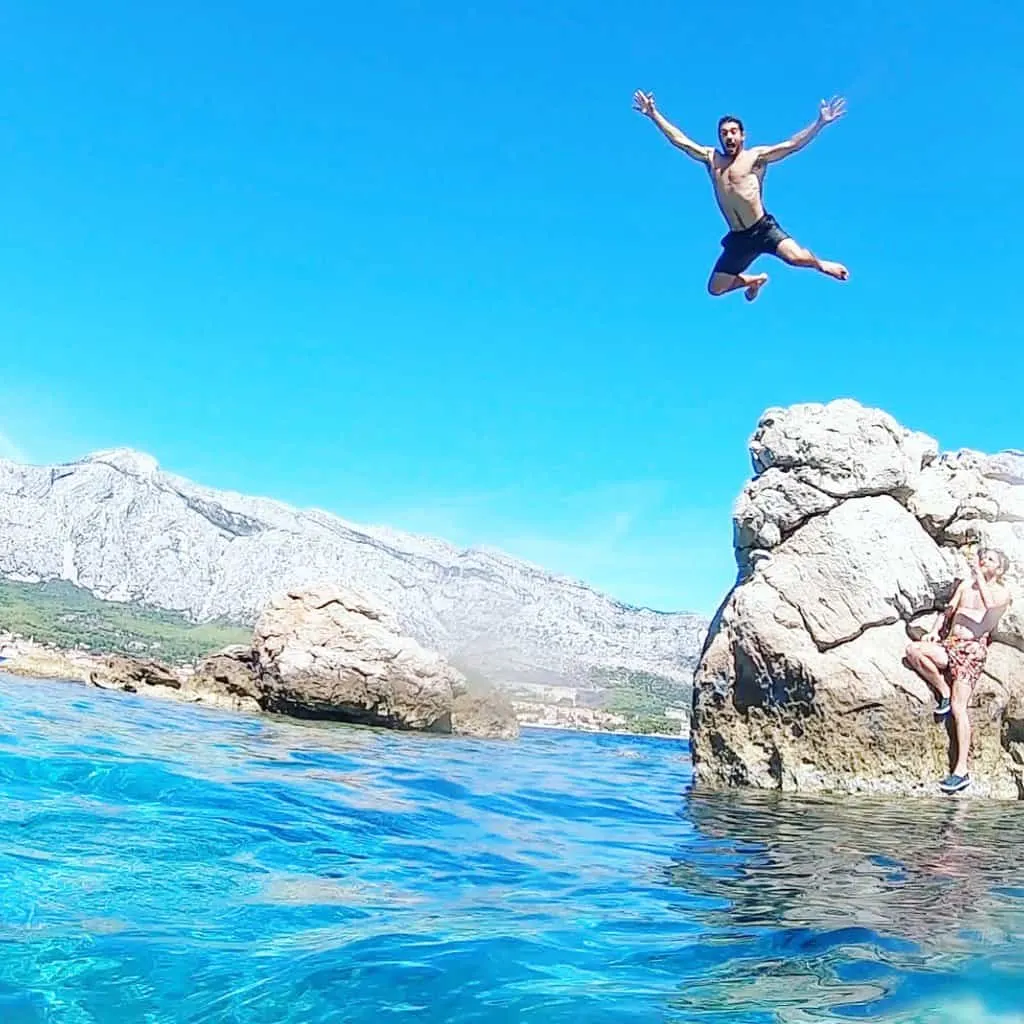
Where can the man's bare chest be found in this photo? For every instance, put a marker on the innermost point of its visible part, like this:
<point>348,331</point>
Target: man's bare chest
<point>740,175</point>
<point>972,606</point>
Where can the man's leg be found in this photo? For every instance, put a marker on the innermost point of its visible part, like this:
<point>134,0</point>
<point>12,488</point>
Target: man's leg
<point>790,251</point>
<point>930,662</point>
<point>721,283</point>
<point>962,720</point>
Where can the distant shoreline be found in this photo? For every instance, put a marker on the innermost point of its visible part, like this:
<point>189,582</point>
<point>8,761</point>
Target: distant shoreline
<point>27,660</point>
<point>606,732</point>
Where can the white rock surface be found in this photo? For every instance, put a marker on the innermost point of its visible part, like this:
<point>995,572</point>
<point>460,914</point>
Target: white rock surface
<point>330,653</point>
<point>848,539</point>
<point>842,449</point>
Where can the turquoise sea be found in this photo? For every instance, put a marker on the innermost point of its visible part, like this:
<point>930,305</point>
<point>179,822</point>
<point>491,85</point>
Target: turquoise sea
<point>166,863</point>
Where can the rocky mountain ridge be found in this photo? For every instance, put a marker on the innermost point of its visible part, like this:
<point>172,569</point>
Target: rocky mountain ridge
<point>124,529</point>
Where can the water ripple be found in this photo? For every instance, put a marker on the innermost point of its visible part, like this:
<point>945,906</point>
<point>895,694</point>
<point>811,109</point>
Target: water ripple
<point>165,863</point>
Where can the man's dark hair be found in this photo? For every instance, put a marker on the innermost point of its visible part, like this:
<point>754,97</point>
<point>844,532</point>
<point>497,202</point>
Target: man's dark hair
<point>730,118</point>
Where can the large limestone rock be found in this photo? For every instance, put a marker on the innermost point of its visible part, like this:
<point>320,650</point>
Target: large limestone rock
<point>329,653</point>
<point>848,539</point>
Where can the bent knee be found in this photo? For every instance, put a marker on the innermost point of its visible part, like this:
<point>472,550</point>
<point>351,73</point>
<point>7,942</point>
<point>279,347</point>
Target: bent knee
<point>721,282</point>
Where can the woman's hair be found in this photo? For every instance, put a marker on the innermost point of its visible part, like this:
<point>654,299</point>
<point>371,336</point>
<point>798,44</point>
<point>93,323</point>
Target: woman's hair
<point>1004,562</point>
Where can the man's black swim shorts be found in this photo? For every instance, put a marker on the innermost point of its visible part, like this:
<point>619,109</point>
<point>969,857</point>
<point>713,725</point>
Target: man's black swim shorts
<point>741,248</point>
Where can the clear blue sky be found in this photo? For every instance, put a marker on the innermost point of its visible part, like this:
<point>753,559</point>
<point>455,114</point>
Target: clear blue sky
<point>421,264</point>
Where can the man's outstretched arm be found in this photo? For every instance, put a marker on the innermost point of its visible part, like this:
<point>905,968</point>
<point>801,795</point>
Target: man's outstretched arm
<point>644,102</point>
<point>830,111</point>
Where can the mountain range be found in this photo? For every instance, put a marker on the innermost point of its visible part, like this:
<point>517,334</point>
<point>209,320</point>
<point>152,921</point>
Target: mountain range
<point>117,525</point>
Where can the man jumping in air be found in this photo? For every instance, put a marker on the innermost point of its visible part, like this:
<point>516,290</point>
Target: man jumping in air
<point>738,177</point>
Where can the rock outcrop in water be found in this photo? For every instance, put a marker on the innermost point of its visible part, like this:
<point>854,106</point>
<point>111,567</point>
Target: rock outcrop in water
<point>326,654</point>
<point>329,653</point>
<point>125,530</point>
<point>849,538</point>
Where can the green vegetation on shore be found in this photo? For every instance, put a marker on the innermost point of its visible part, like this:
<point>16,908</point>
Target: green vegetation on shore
<point>642,698</point>
<point>64,615</point>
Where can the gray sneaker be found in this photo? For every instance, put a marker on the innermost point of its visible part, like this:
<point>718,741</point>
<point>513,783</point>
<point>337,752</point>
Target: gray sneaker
<point>954,783</point>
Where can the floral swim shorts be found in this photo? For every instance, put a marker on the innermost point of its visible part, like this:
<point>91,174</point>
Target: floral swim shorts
<point>966,659</point>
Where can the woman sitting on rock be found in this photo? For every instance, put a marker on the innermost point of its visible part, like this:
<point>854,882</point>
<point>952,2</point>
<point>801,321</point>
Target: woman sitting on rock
<point>951,658</point>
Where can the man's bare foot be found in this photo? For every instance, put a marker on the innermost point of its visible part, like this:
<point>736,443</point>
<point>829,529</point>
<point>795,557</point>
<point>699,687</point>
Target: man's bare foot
<point>836,270</point>
<point>755,286</point>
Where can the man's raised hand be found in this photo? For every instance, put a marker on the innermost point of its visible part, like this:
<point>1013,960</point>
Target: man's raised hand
<point>974,564</point>
<point>831,110</point>
<point>644,102</point>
